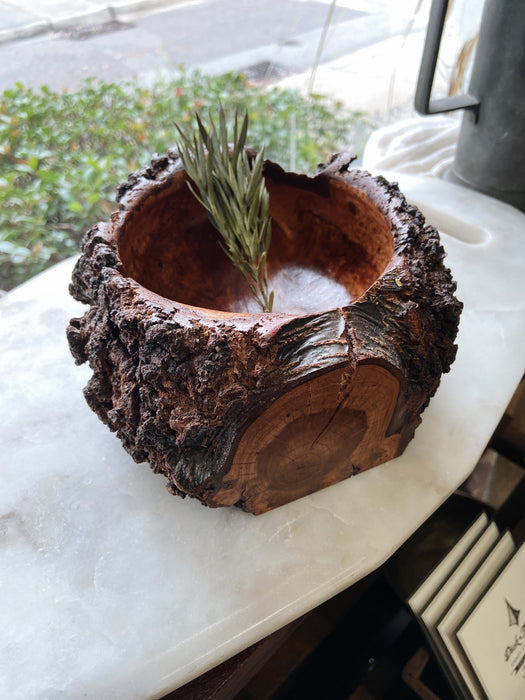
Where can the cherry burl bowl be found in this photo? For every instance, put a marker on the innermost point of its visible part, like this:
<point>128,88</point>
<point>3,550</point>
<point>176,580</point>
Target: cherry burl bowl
<point>239,407</point>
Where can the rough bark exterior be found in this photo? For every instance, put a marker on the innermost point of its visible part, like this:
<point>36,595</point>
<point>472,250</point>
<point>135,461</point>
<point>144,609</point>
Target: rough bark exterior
<point>181,385</point>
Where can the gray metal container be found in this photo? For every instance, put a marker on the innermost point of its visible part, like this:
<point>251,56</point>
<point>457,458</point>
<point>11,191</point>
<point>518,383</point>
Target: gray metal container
<point>490,155</point>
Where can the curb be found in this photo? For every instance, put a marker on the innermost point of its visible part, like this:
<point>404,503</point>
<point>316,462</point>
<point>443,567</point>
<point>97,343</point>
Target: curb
<point>125,11</point>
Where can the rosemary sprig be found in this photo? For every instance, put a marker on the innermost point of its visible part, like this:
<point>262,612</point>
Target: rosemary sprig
<point>230,186</point>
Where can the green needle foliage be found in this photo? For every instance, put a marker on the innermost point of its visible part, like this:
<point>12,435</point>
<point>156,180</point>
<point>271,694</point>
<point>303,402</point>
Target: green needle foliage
<point>230,186</point>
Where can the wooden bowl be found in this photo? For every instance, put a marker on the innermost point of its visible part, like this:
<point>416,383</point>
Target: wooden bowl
<point>238,407</point>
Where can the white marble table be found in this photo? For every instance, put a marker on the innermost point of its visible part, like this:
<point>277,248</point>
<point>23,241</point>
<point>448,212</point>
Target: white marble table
<point>112,588</point>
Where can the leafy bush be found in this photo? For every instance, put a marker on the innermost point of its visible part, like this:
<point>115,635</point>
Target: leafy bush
<point>63,154</point>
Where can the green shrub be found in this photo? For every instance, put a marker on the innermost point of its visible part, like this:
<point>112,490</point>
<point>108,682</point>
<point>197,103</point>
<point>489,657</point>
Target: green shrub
<point>62,154</point>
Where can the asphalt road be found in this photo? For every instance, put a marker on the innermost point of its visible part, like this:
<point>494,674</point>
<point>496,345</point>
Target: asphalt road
<point>212,35</point>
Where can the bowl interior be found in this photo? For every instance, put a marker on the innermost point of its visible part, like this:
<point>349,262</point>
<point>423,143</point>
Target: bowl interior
<point>330,243</point>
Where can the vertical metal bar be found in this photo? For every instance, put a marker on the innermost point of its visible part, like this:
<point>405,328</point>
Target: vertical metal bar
<point>422,101</point>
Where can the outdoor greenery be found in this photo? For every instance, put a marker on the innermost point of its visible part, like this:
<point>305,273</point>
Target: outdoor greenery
<point>63,154</point>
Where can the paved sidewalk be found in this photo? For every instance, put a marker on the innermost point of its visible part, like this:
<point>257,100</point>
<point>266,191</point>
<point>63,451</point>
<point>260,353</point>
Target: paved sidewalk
<point>376,76</point>
<point>22,19</point>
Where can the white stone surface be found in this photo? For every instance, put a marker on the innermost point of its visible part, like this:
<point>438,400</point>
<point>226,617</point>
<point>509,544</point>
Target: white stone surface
<point>112,588</point>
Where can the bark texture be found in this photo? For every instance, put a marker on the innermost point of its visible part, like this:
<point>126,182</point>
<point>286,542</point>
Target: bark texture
<point>242,408</point>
